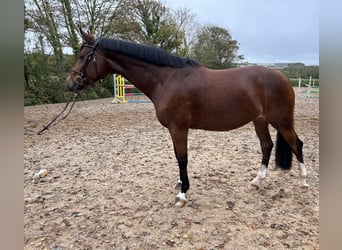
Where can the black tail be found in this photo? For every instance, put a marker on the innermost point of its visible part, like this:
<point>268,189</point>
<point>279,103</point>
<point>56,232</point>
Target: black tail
<point>283,154</point>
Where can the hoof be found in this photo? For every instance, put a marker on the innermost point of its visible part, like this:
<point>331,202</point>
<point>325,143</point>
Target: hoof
<point>179,202</point>
<point>252,186</point>
<point>304,187</point>
<point>303,184</point>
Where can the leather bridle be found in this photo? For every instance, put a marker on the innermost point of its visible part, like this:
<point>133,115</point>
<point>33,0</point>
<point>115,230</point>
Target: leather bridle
<point>81,78</point>
<point>76,83</point>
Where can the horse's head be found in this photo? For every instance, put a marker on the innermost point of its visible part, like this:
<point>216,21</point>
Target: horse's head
<point>89,66</point>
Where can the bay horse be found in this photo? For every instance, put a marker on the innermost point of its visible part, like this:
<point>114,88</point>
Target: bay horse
<point>187,95</point>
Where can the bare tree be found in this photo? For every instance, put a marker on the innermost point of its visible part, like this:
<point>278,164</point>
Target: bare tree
<point>44,21</point>
<point>57,21</point>
<point>98,16</point>
<point>185,21</point>
<point>151,22</point>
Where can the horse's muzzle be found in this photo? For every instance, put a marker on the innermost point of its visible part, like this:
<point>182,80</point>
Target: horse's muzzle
<point>74,84</point>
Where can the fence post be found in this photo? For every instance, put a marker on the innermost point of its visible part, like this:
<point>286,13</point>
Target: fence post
<point>309,91</point>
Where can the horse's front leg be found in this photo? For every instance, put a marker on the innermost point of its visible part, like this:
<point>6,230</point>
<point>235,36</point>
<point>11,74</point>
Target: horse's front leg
<point>179,138</point>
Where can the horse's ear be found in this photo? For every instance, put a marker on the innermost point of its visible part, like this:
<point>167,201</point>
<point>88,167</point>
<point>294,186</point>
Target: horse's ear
<point>87,37</point>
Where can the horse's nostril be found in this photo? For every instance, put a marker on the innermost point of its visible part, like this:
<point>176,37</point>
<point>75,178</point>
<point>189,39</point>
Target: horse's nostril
<point>79,80</point>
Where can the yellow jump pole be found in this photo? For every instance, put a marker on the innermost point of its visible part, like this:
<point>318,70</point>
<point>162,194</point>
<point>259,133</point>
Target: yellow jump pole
<point>119,89</point>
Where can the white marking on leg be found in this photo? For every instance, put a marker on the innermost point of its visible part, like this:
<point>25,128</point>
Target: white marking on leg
<point>178,184</point>
<point>180,200</point>
<point>303,173</point>
<point>181,196</point>
<point>256,182</point>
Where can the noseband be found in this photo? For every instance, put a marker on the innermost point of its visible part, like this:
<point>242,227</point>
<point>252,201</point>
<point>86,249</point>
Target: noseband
<point>81,78</point>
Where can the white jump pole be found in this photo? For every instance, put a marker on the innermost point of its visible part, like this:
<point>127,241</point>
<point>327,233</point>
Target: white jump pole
<point>115,100</point>
<point>309,91</point>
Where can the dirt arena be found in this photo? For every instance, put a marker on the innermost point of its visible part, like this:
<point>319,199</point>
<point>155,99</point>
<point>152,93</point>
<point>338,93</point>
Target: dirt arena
<point>111,172</point>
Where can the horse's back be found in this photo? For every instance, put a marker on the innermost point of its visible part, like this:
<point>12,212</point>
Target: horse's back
<point>253,77</point>
<point>226,99</point>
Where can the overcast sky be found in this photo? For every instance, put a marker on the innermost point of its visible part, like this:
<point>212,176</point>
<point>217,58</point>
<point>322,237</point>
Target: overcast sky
<point>268,30</point>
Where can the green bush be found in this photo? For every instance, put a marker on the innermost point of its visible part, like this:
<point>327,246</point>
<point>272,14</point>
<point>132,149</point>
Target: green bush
<point>304,82</point>
<point>45,82</point>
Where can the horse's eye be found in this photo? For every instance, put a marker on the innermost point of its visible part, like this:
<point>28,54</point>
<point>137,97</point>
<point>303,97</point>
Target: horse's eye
<point>81,57</point>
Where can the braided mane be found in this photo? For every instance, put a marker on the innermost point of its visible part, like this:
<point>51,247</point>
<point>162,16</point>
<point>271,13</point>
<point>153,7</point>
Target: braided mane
<point>146,53</point>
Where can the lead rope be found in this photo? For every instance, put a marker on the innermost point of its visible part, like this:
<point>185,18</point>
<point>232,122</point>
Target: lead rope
<point>73,99</point>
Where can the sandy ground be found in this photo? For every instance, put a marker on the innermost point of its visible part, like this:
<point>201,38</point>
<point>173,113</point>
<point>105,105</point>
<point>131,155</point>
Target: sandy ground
<point>111,172</point>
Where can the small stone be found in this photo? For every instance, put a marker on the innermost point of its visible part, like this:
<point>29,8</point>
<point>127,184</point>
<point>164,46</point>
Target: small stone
<point>40,174</point>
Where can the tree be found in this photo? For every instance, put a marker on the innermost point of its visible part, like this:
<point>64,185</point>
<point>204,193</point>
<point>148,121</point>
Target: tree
<point>215,48</point>
<point>149,22</point>
<point>185,21</point>
<point>58,20</point>
<point>43,20</point>
<point>70,25</point>
<point>51,26</point>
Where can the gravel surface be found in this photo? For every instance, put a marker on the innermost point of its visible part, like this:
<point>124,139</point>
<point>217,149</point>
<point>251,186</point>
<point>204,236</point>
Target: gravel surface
<point>107,174</point>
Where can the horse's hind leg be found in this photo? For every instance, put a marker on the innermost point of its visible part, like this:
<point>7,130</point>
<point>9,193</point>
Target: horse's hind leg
<point>261,128</point>
<point>288,142</point>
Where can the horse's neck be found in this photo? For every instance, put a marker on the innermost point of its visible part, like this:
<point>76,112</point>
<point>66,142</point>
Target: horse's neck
<point>144,76</point>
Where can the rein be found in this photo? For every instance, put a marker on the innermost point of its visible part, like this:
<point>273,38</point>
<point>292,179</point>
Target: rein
<point>78,81</point>
<point>73,99</point>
